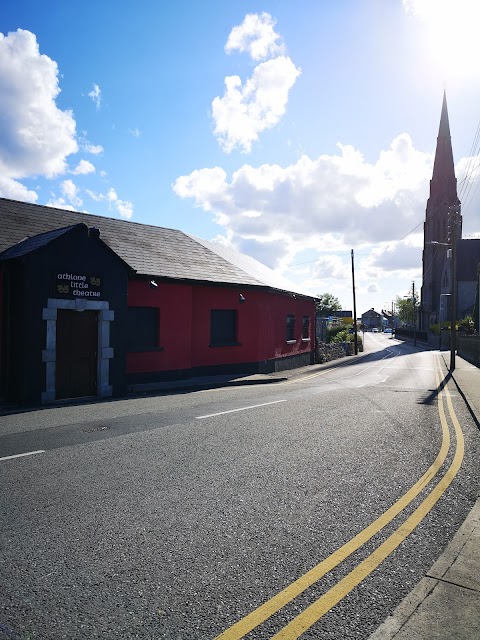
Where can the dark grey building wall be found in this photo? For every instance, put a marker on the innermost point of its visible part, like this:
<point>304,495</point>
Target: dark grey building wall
<point>32,283</point>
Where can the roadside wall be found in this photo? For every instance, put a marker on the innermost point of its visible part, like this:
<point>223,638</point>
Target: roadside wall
<point>329,352</point>
<point>468,348</point>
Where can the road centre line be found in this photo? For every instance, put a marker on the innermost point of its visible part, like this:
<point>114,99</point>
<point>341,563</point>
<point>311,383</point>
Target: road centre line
<point>266,610</point>
<point>22,455</point>
<point>253,406</point>
<point>315,611</point>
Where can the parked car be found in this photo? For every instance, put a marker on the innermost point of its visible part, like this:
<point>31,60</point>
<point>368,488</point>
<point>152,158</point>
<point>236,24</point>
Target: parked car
<point>374,330</point>
<point>388,330</point>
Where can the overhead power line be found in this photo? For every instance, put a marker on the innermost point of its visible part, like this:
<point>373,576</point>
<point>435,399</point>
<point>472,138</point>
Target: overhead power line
<point>465,185</point>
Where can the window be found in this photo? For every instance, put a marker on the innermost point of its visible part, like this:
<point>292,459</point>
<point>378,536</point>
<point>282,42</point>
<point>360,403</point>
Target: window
<point>142,328</point>
<point>305,327</point>
<point>290,328</point>
<point>223,327</point>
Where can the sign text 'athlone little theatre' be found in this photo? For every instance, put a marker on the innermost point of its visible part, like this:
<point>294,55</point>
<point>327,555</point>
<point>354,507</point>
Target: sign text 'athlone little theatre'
<point>78,285</point>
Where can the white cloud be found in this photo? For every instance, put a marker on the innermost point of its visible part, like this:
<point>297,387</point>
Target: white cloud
<point>94,149</point>
<point>83,168</point>
<point>95,196</point>
<point>16,191</point>
<point>397,256</point>
<point>245,110</point>
<point>69,200</point>
<point>96,96</point>
<point>256,35</point>
<point>123,207</point>
<point>208,187</point>
<point>303,219</point>
<point>331,266</point>
<point>136,133</point>
<point>35,135</point>
<point>60,203</point>
<point>70,191</point>
<point>330,203</point>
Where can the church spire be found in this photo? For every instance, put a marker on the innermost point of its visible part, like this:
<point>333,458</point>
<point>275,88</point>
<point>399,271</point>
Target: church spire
<point>441,204</point>
<point>443,185</point>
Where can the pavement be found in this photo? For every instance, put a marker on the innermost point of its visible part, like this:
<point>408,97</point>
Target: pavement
<point>445,604</point>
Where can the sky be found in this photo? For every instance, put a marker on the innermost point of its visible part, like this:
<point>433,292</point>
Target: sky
<point>294,132</point>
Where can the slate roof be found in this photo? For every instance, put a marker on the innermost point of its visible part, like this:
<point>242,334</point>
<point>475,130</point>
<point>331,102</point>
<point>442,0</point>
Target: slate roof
<point>259,271</point>
<point>149,250</point>
<point>32,244</point>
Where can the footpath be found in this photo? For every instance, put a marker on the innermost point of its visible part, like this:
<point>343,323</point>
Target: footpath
<point>445,604</point>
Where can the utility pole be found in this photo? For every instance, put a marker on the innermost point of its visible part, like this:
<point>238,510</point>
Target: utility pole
<point>454,214</point>
<point>354,309</point>
<point>414,318</point>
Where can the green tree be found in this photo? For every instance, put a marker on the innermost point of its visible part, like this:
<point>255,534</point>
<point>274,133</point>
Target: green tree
<point>404,309</point>
<point>327,305</point>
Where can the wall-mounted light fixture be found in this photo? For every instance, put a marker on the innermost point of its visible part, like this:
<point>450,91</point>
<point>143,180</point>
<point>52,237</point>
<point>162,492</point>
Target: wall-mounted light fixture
<point>241,298</point>
<point>153,284</point>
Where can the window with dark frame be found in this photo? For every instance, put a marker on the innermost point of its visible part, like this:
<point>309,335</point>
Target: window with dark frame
<point>305,327</point>
<point>223,327</point>
<point>290,328</point>
<point>142,328</point>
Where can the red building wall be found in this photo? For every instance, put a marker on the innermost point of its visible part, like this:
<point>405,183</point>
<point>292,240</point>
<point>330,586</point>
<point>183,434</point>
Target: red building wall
<point>204,300</point>
<point>273,311</point>
<point>174,302</point>
<point>184,331</point>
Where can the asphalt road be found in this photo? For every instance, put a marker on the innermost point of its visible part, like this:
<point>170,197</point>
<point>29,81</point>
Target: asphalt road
<point>179,516</point>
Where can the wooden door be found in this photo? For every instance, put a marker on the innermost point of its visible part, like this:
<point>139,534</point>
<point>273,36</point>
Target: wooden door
<point>77,344</point>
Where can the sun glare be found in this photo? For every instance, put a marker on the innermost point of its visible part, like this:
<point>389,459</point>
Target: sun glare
<point>452,32</point>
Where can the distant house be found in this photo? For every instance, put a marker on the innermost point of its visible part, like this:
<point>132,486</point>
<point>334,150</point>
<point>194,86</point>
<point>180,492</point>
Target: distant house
<point>94,306</point>
<point>390,320</point>
<point>371,319</point>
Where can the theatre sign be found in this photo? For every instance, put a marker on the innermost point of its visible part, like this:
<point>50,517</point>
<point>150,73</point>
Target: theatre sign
<point>77,285</point>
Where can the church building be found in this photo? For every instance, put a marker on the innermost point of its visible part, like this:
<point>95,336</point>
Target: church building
<point>442,231</point>
<point>443,223</point>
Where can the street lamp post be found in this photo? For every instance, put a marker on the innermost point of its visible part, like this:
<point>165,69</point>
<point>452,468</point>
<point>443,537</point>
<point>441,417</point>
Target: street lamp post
<point>454,219</point>
<point>414,318</point>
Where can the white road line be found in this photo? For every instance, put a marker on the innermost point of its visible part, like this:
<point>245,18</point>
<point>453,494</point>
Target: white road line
<point>253,406</point>
<point>21,455</point>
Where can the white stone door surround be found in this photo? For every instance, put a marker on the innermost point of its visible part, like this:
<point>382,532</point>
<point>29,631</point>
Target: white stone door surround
<point>104,351</point>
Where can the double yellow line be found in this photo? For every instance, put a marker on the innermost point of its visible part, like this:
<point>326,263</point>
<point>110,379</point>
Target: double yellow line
<point>315,611</point>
